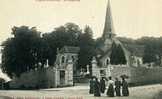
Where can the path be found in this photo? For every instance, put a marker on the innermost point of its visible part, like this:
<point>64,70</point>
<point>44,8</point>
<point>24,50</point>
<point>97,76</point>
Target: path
<point>80,92</point>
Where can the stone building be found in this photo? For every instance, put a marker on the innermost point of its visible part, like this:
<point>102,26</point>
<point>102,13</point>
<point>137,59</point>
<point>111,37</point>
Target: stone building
<point>65,64</point>
<point>59,75</point>
<point>132,53</point>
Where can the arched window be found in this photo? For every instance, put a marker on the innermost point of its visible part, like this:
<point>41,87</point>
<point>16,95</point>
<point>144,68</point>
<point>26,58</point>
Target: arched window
<point>63,59</point>
<point>73,58</point>
<point>107,61</point>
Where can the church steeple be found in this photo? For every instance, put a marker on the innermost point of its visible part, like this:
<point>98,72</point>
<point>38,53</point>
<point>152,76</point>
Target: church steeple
<point>108,32</point>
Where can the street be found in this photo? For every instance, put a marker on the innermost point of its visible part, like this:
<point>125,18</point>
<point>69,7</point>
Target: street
<point>79,92</point>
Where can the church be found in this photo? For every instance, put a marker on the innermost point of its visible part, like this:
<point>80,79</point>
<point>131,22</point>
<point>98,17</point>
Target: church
<point>109,38</point>
<point>131,64</point>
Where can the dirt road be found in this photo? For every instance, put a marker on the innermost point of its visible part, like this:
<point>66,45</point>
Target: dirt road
<point>79,92</point>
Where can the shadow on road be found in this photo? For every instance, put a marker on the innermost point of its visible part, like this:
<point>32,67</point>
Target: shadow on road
<point>5,97</point>
<point>159,95</point>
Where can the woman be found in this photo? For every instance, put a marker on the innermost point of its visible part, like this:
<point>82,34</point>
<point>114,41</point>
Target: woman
<point>102,83</point>
<point>125,90</point>
<point>91,90</point>
<point>117,87</point>
<point>97,88</point>
<point>110,91</point>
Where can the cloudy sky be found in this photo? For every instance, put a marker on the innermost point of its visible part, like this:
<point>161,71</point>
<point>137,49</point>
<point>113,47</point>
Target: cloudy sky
<point>132,18</point>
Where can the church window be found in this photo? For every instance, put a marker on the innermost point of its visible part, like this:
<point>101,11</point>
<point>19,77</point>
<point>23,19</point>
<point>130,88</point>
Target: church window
<point>110,36</point>
<point>63,59</point>
<point>107,62</point>
<point>73,58</point>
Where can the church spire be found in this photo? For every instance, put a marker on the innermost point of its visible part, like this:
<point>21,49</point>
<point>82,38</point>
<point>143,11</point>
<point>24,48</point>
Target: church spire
<point>108,29</point>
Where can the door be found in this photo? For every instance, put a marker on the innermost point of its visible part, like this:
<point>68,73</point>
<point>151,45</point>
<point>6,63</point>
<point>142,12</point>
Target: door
<point>62,77</point>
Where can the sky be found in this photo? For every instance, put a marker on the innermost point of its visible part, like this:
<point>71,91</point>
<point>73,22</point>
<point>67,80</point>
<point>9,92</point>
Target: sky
<point>132,18</point>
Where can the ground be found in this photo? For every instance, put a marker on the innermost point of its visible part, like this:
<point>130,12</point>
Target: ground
<point>80,92</point>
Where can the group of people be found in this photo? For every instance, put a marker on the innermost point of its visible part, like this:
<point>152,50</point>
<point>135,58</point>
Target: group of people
<point>115,88</point>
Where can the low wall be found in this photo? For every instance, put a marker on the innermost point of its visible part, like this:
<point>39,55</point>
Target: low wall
<point>42,78</point>
<point>117,71</point>
<point>139,75</point>
<point>142,75</point>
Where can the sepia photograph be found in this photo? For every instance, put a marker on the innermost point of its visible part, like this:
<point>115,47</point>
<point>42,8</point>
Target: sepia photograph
<point>80,49</point>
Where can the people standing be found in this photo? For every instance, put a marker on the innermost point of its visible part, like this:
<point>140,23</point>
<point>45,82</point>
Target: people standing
<point>102,85</point>
<point>110,90</point>
<point>97,88</point>
<point>125,90</point>
<point>117,87</point>
<point>92,82</point>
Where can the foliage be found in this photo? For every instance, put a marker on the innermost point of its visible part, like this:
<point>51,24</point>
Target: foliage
<point>61,36</point>
<point>152,50</point>
<point>27,49</point>
<point>87,45</point>
<point>22,52</point>
<point>117,55</point>
<point>126,40</point>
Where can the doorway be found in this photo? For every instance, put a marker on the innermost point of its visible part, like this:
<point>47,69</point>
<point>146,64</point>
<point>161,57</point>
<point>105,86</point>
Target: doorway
<point>62,77</point>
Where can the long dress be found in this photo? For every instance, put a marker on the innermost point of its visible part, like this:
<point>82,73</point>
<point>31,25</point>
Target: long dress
<point>91,90</point>
<point>125,90</point>
<point>110,90</point>
<point>117,88</point>
<point>97,89</point>
<point>103,86</point>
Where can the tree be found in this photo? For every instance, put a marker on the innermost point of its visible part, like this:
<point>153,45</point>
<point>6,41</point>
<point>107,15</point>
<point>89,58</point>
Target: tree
<point>149,54</point>
<point>71,35</point>
<point>121,55</point>
<point>87,46</point>
<point>22,52</point>
<point>64,35</point>
<point>117,55</point>
<point>152,50</point>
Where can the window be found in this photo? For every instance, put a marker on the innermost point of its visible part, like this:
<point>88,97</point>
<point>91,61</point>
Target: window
<point>107,61</point>
<point>63,59</point>
<point>73,58</point>
<point>102,73</point>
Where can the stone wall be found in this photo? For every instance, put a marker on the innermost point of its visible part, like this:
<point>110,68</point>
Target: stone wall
<point>42,78</point>
<point>139,75</point>
<point>117,71</point>
<point>142,75</point>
